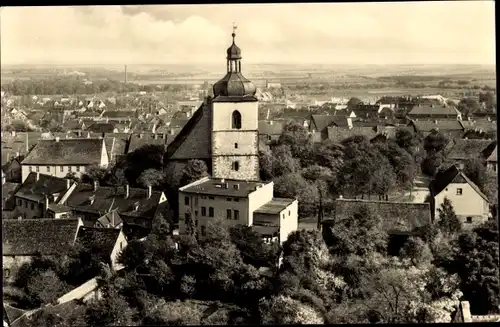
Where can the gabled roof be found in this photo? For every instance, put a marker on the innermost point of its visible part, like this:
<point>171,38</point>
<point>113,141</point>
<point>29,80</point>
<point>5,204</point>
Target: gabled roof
<point>112,219</point>
<point>471,149</point>
<point>35,190</point>
<point>113,198</point>
<point>38,236</point>
<point>396,216</point>
<point>103,239</point>
<point>65,152</point>
<point>118,114</point>
<point>101,128</point>
<point>442,125</point>
<point>8,189</point>
<point>480,124</point>
<point>432,110</point>
<point>142,139</point>
<point>322,121</point>
<point>449,176</point>
<point>493,156</point>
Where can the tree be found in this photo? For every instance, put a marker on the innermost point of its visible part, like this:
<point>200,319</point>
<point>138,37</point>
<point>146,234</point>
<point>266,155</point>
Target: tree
<point>285,310</point>
<point>435,142</point>
<point>174,313</point>
<point>45,287</point>
<point>194,170</point>
<point>72,176</point>
<point>293,185</point>
<point>448,222</point>
<point>476,262</point>
<point>353,102</point>
<point>111,310</point>
<point>252,248</point>
<point>297,138</point>
<point>475,169</point>
<point>431,163</point>
<point>468,106</point>
<point>95,174</point>
<point>407,139</point>
<point>417,251</point>
<point>116,177</point>
<point>151,177</point>
<point>282,161</point>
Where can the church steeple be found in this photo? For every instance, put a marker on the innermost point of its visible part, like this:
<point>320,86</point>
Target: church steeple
<point>234,55</point>
<point>234,84</point>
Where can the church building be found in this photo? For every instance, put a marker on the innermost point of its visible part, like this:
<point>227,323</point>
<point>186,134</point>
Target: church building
<point>223,132</point>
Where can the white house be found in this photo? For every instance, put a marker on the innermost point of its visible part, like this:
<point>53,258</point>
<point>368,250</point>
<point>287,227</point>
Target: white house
<point>469,203</point>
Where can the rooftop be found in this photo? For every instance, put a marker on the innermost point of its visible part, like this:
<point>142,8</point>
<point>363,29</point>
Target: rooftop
<point>431,110</point>
<point>452,175</point>
<point>275,206</point>
<point>471,149</point>
<point>38,236</point>
<point>445,125</point>
<point>36,190</point>
<point>101,239</point>
<point>224,187</point>
<point>81,151</point>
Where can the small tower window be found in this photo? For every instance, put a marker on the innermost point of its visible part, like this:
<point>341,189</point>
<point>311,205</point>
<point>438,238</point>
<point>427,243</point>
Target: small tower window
<point>236,166</point>
<point>236,119</point>
<point>235,145</point>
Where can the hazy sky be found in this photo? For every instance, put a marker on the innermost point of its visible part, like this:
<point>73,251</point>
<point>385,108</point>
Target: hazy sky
<point>338,33</point>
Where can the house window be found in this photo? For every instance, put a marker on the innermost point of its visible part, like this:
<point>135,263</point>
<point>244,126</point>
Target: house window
<point>70,169</point>
<point>236,214</point>
<point>26,204</point>
<point>211,212</point>
<point>78,168</point>
<point>20,202</point>
<point>37,169</point>
<point>469,220</point>
<point>211,198</point>
<point>203,211</point>
<point>6,273</point>
<point>236,120</point>
<point>269,138</point>
<point>203,231</point>
<point>196,222</point>
<point>236,166</point>
<point>228,199</point>
<point>235,145</point>
<point>30,169</point>
<point>61,169</point>
<point>236,200</point>
<point>459,191</point>
<point>32,206</point>
<point>288,212</point>
<point>186,200</point>
<point>228,213</point>
<point>48,169</point>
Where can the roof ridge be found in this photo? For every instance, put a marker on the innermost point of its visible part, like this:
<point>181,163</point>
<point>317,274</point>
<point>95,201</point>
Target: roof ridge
<point>382,201</point>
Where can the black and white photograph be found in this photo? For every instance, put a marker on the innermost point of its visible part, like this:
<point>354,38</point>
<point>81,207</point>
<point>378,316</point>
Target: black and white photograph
<point>249,164</point>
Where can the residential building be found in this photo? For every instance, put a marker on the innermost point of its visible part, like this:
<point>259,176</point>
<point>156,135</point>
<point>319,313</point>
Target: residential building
<point>8,190</point>
<point>12,169</point>
<point>469,203</point>
<point>433,111</point>
<point>106,243</point>
<point>238,202</point>
<point>59,157</point>
<point>37,191</point>
<point>110,220</point>
<point>462,150</point>
<point>492,160</point>
<point>22,240</point>
<point>141,139</point>
<point>450,128</point>
<point>270,130</point>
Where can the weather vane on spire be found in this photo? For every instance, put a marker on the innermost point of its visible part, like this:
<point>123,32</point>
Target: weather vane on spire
<point>234,29</point>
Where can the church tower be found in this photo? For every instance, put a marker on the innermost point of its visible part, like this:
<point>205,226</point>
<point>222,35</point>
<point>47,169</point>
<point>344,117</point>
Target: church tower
<point>235,116</point>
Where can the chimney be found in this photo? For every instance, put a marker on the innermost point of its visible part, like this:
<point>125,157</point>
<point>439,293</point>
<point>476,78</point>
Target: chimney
<point>92,199</point>
<point>37,176</point>
<point>68,184</point>
<point>150,191</point>
<point>27,143</point>
<point>3,179</point>
<point>136,206</point>
<point>126,191</point>
<point>435,121</point>
<point>57,139</point>
<point>222,180</point>
<point>226,185</point>
<point>17,154</point>
<point>46,204</point>
<point>96,184</point>
<point>88,135</point>
<point>341,197</point>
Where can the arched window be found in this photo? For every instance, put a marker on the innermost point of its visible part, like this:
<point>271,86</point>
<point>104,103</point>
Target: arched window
<point>236,119</point>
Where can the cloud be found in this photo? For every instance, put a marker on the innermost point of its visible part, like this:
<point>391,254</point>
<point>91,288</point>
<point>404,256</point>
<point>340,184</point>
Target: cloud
<point>421,32</point>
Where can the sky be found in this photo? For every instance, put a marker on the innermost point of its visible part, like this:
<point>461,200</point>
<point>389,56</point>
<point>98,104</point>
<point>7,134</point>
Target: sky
<point>441,32</point>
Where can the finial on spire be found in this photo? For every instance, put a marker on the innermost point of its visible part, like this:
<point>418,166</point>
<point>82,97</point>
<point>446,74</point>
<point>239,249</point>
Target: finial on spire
<point>234,30</point>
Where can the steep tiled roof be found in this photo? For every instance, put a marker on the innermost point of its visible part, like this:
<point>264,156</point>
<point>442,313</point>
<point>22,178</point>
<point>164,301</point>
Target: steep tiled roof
<point>142,139</point>
<point>268,128</point>
<point>112,219</point>
<point>103,239</point>
<point>493,156</point>
<point>65,152</point>
<point>34,190</point>
<point>42,236</point>
<point>119,114</point>
<point>111,198</point>
<point>320,122</point>
<point>442,125</point>
<point>471,149</point>
<point>101,128</point>
<point>396,216</point>
<point>452,175</point>
<point>338,134</point>
<point>17,143</point>
<point>432,110</point>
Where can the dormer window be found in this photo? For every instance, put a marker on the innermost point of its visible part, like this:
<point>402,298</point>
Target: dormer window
<point>236,120</point>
